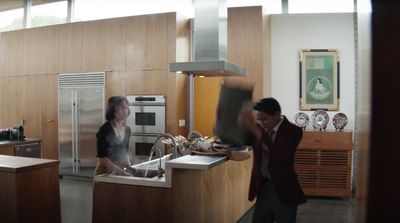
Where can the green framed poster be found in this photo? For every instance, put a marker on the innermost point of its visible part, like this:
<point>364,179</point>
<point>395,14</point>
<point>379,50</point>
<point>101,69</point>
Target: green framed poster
<point>319,80</point>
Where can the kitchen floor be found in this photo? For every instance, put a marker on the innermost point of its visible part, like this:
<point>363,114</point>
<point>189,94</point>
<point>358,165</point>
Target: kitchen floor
<point>76,205</point>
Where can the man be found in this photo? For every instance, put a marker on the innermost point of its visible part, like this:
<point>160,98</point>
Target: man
<point>273,179</point>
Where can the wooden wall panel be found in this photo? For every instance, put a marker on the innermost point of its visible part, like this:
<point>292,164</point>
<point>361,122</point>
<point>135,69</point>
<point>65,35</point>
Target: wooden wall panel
<point>245,48</point>
<point>49,116</point>
<point>50,49</point>
<point>115,84</point>
<point>3,101</point>
<point>146,82</point>
<point>70,54</point>
<point>245,43</point>
<point>214,195</point>
<point>30,105</point>
<point>32,53</point>
<point>94,46</point>
<point>116,44</point>
<point>14,52</point>
<point>177,84</point>
<point>2,55</point>
<point>12,97</point>
<point>147,42</point>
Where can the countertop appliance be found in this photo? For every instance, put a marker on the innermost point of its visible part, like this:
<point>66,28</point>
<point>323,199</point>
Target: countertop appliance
<point>81,114</point>
<point>16,132</point>
<point>147,121</point>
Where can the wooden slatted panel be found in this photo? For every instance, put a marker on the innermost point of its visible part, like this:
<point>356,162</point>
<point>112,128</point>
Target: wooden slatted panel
<point>334,157</point>
<point>307,177</point>
<point>333,179</point>
<point>306,157</point>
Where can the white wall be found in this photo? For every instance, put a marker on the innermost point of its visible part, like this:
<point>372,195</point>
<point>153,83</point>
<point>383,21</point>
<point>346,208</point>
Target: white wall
<point>289,34</point>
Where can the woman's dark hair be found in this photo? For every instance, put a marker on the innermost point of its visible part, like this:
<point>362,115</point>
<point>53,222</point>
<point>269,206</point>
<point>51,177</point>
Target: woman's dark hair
<point>113,102</point>
<point>268,105</point>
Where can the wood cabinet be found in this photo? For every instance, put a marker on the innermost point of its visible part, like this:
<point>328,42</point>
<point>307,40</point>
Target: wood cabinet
<point>94,46</point>
<point>323,163</point>
<point>116,44</point>
<point>2,55</point>
<point>7,150</point>
<point>147,42</point>
<point>70,57</point>
<point>23,104</point>
<point>14,52</point>
<point>146,82</point>
<point>33,46</point>
<point>115,84</point>
<point>49,116</point>
<point>30,190</point>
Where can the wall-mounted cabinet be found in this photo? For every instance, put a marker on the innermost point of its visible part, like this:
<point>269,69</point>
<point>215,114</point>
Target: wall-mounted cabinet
<point>2,56</point>
<point>147,42</point>
<point>14,52</point>
<point>94,46</point>
<point>70,55</point>
<point>116,44</point>
<point>115,84</point>
<point>146,82</point>
<point>32,53</point>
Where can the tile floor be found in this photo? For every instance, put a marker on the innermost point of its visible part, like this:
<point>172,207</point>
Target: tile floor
<point>76,205</point>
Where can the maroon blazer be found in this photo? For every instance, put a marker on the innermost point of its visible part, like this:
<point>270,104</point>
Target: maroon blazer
<point>281,164</point>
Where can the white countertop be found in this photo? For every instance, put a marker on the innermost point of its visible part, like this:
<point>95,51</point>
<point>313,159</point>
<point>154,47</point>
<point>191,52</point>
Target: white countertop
<point>185,162</point>
<point>196,162</point>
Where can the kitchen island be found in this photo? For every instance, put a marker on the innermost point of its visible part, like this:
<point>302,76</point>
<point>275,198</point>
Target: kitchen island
<point>30,190</point>
<point>193,189</point>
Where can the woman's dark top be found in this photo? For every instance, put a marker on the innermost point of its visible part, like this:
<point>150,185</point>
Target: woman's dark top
<point>108,144</point>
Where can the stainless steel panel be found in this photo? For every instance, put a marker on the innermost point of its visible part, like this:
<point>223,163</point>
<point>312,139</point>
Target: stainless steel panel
<point>210,36</point>
<point>144,139</point>
<point>159,125</point>
<point>65,127</point>
<point>81,113</point>
<point>91,117</point>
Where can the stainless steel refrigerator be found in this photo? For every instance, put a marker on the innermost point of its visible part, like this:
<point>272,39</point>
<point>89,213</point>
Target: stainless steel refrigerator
<point>80,113</point>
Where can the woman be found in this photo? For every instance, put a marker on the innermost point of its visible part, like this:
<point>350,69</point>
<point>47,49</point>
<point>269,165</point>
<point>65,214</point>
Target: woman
<point>113,139</point>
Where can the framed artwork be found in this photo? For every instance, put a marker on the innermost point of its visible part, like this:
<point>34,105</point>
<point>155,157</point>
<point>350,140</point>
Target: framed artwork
<point>319,80</point>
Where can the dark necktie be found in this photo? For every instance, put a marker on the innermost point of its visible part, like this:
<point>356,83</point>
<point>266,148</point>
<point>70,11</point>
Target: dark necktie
<point>271,135</point>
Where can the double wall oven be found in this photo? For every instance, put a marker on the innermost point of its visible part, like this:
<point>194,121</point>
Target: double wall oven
<point>147,121</point>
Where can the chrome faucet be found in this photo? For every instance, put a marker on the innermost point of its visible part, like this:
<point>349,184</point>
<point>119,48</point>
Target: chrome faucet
<point>168,136</point>
<point>155,149</point>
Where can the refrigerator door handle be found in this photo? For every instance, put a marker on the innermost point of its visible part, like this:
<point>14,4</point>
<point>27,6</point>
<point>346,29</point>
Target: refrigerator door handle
<point>76,157</point>
<point>77,148</point>
<point>73,130</point>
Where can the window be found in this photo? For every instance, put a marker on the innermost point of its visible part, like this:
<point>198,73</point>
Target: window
<point>270,6</point>
<point>320,6</point>
<point>49,14</point>
<point>11,19</point>
<point>101,9</point>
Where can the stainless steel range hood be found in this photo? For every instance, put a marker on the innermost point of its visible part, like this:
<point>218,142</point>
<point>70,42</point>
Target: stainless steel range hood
<point>210,43</point>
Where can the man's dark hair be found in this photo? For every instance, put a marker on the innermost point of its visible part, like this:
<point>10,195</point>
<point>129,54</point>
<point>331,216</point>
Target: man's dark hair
<point>113,102</point>
<point>268,105</point>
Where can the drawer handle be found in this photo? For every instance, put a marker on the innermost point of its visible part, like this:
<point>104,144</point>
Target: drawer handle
<point>50,120</point>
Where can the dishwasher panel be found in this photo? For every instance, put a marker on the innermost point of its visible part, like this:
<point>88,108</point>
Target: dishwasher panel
<point>28,150</point>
